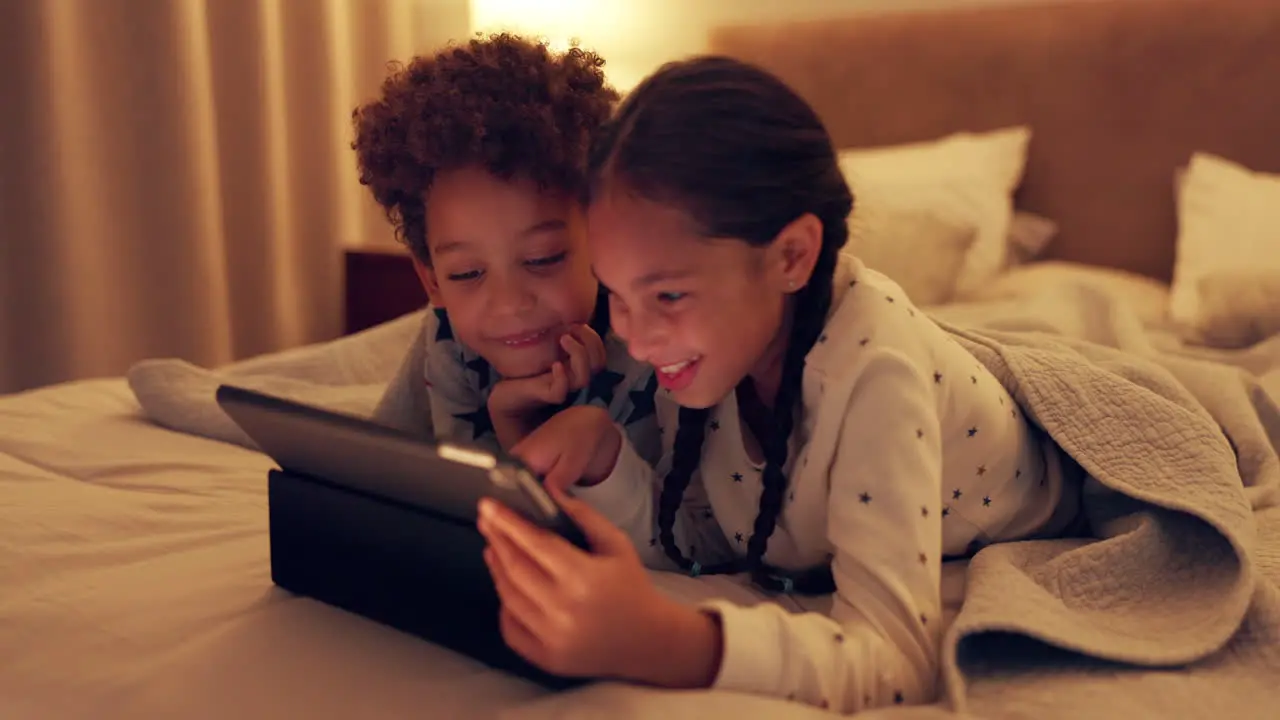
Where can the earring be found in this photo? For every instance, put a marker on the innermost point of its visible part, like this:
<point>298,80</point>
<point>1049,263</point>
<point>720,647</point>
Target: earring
<point>791,284</point>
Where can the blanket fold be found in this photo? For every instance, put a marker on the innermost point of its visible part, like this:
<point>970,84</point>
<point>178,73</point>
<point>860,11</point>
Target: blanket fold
<point>1169,576</point>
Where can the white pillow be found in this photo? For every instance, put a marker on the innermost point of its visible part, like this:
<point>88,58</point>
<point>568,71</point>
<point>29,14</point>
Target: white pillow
<point>1239,309</point>
<point>916,249</point>
<point>1228,224</point>
<point>964,179</point>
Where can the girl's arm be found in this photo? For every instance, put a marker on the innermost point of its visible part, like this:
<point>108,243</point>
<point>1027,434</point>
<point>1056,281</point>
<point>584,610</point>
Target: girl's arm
<point>628,497</point>
<point>880,644</point>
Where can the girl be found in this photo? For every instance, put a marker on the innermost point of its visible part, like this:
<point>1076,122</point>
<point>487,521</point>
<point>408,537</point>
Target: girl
<point>830,440</point>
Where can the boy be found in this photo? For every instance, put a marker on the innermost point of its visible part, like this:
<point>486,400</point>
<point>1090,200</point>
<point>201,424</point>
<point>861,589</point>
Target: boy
<point>477,155</point>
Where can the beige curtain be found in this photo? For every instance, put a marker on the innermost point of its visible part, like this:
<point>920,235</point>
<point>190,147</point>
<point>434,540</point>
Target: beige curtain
<point>176,177</point>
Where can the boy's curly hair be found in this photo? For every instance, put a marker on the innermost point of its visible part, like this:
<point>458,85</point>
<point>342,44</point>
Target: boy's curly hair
<point>501,102</point>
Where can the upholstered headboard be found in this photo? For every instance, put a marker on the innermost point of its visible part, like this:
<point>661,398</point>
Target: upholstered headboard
<point>1118,95</point>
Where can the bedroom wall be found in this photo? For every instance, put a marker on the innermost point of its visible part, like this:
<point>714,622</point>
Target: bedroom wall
<point>636,36</point>
<point>186,185</point>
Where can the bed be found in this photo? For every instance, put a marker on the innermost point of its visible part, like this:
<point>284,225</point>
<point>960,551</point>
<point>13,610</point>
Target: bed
<point>134,574</point>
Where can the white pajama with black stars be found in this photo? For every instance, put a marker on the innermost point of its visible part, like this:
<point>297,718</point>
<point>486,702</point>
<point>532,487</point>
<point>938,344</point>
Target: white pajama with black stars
<point>907,451</point>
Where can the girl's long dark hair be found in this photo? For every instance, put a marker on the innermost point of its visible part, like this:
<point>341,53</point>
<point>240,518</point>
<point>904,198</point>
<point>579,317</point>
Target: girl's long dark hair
<point>744,156</point>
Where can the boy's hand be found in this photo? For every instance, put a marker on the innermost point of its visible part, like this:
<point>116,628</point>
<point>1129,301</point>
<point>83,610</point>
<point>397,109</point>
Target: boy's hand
<point>585,355</point>
<point>513,404</point>
<point>577,445</point>
<point>518,396</point>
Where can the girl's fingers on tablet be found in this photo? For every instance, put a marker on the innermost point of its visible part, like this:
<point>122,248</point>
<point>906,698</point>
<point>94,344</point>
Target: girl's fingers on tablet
<point>509,532</point>
<point>521,585</point>
<point>520,638</point>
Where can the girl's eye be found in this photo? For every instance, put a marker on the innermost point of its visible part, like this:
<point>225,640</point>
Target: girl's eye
<point>548,260</point>
<point>667,298</point>
<point>464,276</point>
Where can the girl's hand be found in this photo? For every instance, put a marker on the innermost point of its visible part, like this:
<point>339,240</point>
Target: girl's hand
<point>577,614</point>
<point>577,445</point>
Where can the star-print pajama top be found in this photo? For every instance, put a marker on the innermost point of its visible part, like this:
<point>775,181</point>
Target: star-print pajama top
<point>442,388</point>
<point>907,450</point>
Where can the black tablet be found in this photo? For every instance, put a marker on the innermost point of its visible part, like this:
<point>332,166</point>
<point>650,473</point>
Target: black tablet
<point>360,455</point>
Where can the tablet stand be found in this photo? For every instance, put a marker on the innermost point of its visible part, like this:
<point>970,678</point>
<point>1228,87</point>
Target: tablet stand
<point>398,565</point>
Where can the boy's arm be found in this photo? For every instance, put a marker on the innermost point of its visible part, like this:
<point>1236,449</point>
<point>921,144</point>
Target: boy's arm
<point>434,394</point>
<point>405,403</point>
<point>457,407</point>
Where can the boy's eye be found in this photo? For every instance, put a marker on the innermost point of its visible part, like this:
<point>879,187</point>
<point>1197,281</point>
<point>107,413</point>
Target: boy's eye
<point>464,276</point>
<point>548,260</point>
<point>667,298</point>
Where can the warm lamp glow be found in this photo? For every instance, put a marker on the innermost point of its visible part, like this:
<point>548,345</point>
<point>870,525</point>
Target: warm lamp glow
<point>617,29</point>
<point>558,21</point>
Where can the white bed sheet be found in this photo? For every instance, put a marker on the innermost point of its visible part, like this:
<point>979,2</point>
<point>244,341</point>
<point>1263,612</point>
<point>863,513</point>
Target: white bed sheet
<point>134,583</point>
<point>1147,299</point>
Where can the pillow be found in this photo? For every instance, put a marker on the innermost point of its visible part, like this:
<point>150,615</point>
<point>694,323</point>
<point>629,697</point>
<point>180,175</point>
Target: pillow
<point>966,179</point>
<point>1029,235</point>
<point>917,249</point>
<point>1238,308</point>
<point>1228,226</point>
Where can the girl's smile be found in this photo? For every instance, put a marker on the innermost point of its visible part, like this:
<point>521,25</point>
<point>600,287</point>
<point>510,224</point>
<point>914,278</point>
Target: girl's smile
<point>701,310</point>
<point>678,376</point>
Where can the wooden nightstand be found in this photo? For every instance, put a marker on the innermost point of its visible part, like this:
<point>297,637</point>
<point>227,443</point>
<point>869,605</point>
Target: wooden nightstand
<point>380,285</point>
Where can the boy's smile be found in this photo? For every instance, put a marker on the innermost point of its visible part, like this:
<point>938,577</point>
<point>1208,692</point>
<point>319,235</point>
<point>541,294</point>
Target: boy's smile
<point>509,265</point>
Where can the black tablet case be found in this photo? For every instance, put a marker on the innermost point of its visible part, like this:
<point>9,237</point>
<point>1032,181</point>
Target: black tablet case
<point>399,565</point>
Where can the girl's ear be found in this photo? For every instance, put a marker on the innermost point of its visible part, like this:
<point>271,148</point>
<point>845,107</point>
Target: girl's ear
<point>427,276</point>
<point>794,252</point>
